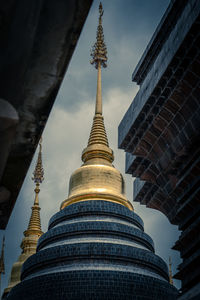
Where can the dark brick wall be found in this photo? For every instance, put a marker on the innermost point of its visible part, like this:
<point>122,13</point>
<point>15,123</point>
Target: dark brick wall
<point>160,131</point>
<point>93,285</point>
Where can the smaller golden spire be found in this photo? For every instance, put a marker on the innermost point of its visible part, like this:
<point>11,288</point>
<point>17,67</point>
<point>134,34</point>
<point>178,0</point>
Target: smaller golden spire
<point>33,232</point>
<point>34,226</point>
<point>170,271</point>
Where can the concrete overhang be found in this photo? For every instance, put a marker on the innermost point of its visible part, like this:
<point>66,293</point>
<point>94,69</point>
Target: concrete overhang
<point>38,38</point>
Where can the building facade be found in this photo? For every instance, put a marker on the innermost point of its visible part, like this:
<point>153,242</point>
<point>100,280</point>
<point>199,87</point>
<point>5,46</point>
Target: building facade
<point>160,132</point>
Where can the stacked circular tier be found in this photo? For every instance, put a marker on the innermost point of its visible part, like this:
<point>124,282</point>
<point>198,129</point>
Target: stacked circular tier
<point>94,250</point>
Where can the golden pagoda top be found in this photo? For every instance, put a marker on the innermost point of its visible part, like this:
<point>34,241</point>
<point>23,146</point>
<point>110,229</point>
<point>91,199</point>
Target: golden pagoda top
<point>97,178</point>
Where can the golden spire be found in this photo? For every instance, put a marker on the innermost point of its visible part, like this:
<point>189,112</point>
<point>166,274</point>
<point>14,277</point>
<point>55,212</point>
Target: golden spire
<point>97,179</point>
<point>170,271</point>
<point>33,232</point>
<point>98,146</point>
<point>34,226</point>
<point>98,53</point>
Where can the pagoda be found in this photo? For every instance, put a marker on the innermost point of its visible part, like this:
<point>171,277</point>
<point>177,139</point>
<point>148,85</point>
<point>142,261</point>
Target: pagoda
<point>95,246</point>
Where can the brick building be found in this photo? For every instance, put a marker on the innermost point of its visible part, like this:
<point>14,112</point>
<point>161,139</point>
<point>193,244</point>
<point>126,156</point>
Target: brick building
<point>160,132</point>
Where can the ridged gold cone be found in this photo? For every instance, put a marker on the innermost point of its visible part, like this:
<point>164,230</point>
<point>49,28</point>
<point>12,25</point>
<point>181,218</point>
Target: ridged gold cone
<point>34,222</point>
<point>98,133</point>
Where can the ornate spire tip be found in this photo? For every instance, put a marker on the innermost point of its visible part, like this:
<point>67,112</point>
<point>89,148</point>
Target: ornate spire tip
<point>99,50</point>
<point>38,174</point>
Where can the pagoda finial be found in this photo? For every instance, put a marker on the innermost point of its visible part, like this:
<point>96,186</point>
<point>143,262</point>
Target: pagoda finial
<point>170,271</point>
<point>38,174</point>
<point>99,51</point>
<point>99,55</point>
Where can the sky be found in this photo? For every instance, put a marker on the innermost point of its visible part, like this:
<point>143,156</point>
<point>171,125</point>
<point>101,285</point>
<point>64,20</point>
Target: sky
<point>128,27</point>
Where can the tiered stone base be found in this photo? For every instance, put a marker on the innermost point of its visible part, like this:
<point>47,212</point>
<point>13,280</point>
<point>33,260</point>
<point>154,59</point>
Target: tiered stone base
<point>94,250</point>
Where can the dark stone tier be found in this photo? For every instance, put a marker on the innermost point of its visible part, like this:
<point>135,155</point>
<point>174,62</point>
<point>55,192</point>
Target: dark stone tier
<point>94,250</point>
